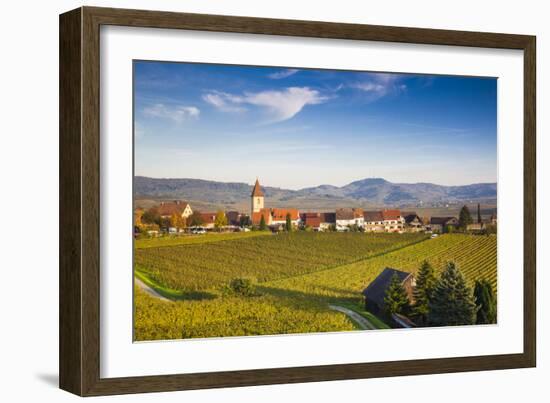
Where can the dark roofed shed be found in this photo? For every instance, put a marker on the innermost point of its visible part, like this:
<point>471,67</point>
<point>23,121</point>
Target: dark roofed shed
<point>376,290</point>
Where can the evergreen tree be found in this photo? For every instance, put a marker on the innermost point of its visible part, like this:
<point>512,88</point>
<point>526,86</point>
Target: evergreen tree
<point>196,219</point>
<point>288,226</point>
<point>425,283</point>
<point>464,218</point>
<point>263,226</point>
<point>396,299</point>
<point>478,214</point>
<point>244,221</point>
<point>486,302</point>
<point>452,302</point>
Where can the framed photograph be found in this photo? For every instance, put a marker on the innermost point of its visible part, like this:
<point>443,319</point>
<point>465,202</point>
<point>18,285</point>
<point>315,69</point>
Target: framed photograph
<point>250,201</point>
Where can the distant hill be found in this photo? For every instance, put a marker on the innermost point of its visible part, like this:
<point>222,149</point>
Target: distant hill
<point>368,192</point>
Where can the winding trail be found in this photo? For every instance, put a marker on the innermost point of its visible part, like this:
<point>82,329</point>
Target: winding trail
<point>360,320</point>
<point>149,290</point>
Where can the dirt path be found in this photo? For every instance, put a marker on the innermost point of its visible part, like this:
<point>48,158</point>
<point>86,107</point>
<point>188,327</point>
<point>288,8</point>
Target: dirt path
<point>360,320</point>
<point>149,290</point>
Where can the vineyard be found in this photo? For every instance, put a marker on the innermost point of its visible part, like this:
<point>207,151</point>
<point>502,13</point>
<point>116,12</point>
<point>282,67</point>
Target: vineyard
<point>212,265</point>
<point>298,276</point>
<point>195,239</point>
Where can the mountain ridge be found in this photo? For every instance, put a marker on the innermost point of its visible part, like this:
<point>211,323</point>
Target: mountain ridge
<point>363,192</point>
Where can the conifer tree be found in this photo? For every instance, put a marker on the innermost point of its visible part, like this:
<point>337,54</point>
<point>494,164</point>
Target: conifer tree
<point>478,214</point>
<point>425,283</point>
<point>452,302</point>
<point>263,226</point>
<point>288,223</point>
<point>464,218</point>
<point>486,301</point>
<point>396,299</point>
<point>196,219</point>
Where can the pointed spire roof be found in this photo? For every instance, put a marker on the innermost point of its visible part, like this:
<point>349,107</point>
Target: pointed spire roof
<point>257,191</point>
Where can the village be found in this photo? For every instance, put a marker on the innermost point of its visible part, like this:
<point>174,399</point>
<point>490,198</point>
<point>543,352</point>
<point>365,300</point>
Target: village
<point>178,217</point>
<point>398,297</point>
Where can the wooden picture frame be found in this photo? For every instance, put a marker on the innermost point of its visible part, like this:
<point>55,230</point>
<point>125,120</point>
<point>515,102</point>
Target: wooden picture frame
<point>79,347</point>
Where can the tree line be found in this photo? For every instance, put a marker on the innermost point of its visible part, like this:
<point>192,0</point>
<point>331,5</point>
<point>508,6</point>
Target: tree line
<point>446,300</point>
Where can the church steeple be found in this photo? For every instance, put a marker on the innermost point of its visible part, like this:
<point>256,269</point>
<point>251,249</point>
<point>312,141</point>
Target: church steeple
<point>257,198</point>
<point>257,191</point>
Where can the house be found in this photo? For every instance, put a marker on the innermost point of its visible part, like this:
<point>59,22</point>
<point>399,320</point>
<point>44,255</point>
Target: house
<point>440,224</point>
<point>279,215</point>
<point>483,225</point>
<point>318,221</point>
<point>413,222</point>
<point>311,220</point>
<point>358,217</point>
<point>256,216</point>
<point>327,221</point>
<point>167,209</point>
<point>373,221</point>
<point>393,221</point>
<point>233,218</point>
<point>346,217</point>
<point>476,227</point>
<point>376,291</point>
<point>208,220</point>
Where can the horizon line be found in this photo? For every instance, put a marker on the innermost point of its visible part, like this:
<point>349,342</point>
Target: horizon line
<point>322,184</point>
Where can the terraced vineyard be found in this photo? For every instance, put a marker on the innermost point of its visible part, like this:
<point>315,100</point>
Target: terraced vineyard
<point>294,293</point>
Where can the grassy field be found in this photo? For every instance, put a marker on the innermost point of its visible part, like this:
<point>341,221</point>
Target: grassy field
<point>298,276</point>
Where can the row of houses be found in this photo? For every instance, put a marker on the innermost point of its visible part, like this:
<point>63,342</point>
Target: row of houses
<point>341,219</point>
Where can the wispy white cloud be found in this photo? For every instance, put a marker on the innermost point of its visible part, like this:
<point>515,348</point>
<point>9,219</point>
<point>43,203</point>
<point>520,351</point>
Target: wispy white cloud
<point>283,105</point>
<point>283,74</point>
<point>177,113</point>
<point>370,86</point>
<point>279,105</point>
<point>380,84</point>
<point>223,101</point>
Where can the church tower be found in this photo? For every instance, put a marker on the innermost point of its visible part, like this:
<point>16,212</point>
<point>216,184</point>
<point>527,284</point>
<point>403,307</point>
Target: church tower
<point>257,198</point>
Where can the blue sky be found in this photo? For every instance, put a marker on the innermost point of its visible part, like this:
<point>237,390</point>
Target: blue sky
<point>296,128</point>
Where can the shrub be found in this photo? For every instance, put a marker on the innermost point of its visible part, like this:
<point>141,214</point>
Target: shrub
<point>243,286</point>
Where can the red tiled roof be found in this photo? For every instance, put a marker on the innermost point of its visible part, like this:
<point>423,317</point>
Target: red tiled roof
<point>279,214</point>
<point>257,217</point>
<point>257,191</point>
<point>175,207</point>
<point>311,219</point>
<point>344,214</point>
<point>371,216</point>
<point>391,214</point>
<point>208,218</point>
